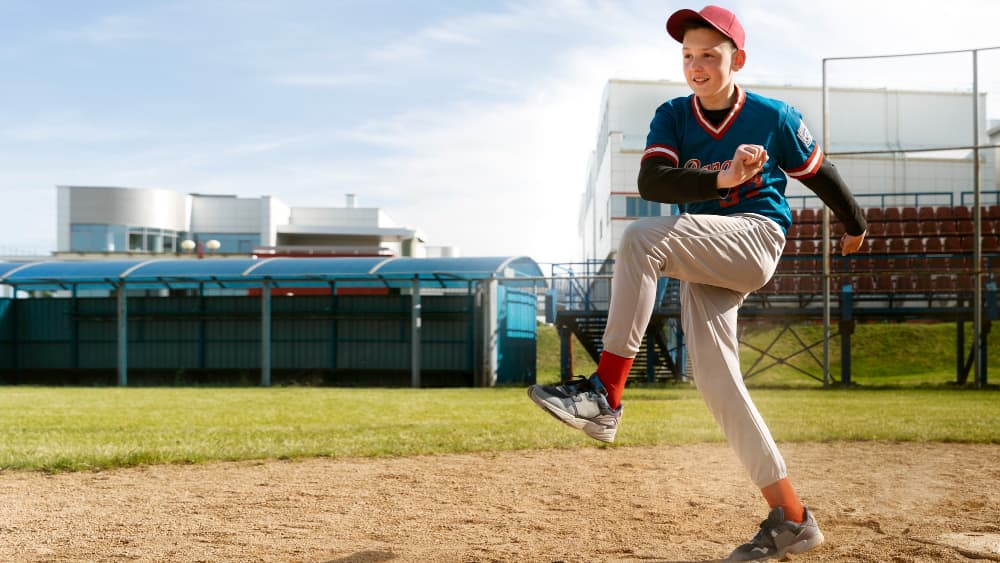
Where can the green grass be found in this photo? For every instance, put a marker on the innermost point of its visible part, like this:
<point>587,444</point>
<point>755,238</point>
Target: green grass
<point>903,395</point>
<point>57,429</point>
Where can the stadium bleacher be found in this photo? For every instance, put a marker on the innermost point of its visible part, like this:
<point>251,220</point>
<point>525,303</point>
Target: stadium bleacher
<point>924,251</point>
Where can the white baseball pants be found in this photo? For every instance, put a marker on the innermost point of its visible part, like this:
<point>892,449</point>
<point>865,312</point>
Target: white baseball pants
<point>719,260</point>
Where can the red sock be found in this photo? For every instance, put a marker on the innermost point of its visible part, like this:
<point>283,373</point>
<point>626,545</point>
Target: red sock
<point>780,493</point>
<point>613,370</point>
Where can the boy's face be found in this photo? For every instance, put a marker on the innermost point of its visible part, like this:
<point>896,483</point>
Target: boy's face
<point>710,60</point>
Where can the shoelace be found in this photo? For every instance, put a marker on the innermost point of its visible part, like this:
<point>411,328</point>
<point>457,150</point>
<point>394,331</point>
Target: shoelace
<point>579,383</point>
<point>765,536</point>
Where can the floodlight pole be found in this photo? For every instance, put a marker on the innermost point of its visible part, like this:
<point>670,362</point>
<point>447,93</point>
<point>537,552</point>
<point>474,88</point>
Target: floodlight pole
<point>979,374</point>
<point>826,243</point>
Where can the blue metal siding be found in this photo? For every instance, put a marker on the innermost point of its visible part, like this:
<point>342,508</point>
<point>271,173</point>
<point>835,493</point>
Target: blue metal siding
<point>6,333</point>
<point>517,328</point>
<point>339,333</point>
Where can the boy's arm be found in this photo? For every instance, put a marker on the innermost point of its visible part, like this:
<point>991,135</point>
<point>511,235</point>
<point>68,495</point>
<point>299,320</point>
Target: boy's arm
<point>831,188</point>
<point>662,182</point>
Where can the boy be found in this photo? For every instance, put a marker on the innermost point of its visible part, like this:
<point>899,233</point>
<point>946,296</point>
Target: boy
<point>723,153</point>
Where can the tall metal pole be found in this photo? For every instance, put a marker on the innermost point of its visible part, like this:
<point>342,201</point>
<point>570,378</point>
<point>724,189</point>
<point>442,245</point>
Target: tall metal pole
<point>826,242</point>
<point>122,335</point>
<point>265,334</point>
<point>977,254</point>
<point>415,323</point>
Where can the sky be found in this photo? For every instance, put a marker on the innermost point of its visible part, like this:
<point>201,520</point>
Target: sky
<point>471,121</point>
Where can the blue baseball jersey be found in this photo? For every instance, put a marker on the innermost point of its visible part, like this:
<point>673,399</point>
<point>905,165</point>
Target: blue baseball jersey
<point>681,133</point>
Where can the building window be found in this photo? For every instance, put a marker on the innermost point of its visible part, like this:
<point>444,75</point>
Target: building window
<point>638,207</point>
<point>230,243</point>
<point>135,242</point>
<point>96,238</point>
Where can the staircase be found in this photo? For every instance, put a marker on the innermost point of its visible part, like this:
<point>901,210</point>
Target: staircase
<point>588,327</point>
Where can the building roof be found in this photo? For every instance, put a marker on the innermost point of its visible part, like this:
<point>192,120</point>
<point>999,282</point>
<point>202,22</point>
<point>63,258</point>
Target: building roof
<point>249,272</point>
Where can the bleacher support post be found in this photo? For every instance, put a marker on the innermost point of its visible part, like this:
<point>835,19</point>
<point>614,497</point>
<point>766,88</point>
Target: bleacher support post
<point>960,351</point>
<point>651,353</point>
<point>992,313</point>
<point>565,351</point>
<point>846,329</point>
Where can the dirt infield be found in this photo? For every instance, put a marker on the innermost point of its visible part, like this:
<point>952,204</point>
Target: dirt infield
<point>875,502</point>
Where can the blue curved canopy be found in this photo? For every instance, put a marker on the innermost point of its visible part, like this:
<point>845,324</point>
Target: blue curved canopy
<point>251,272</point>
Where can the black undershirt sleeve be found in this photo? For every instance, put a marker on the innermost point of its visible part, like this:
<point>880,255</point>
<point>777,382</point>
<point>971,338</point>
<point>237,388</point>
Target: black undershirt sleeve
<point>830,187</point>
<point>662,182</point>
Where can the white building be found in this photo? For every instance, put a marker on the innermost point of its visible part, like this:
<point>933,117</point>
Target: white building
<point>861,120</point>
<point>107,220</point>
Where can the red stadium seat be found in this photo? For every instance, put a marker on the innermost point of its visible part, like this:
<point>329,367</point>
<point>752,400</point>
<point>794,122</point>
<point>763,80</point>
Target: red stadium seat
<point>993,212</point>
<point>933,245</point>
<point>915,246</point>
<point>864,283</point>
<point>926,213</point>
<point>873,214</point>
<point>893,229</point>
<point>808,215</point>
<point>947,227</point>
<point>962,212</point>
<point>809,284</point>
<point>965,227</point>
<point>892,214</point>
<point>912,228</point>
<point>786,285</point>
<point>876,229</point>
<point>883,283</point>
<point>909,214</point>
<point>990,243</point>
<point>944,213</point>
<point>944,284</point>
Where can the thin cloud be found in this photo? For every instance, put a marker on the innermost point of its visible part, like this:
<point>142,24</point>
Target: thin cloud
<point>325,80</point>
<point>108,30</point>
<point>64,128</point>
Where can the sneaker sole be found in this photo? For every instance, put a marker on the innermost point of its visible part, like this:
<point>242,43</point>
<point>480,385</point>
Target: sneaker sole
<point>803,545</point>
<point>595,431</point>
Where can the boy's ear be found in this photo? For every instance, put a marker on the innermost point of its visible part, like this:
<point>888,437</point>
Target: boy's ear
<point>739,59</point>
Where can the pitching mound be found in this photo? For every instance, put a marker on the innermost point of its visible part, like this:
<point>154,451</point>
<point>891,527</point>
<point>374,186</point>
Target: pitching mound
<point>874,501</point>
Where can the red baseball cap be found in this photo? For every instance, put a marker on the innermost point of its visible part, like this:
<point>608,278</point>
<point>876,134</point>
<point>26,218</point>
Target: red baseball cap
<point>719,18</point>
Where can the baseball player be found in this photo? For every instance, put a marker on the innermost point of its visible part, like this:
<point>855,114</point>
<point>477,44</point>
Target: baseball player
<point>723,154</point>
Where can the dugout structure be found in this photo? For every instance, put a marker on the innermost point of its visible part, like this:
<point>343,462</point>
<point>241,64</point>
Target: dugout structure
<point>417,322</point>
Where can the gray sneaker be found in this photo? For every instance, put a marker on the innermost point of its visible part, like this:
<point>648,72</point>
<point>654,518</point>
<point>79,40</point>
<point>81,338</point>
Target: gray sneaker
<point>581,403</point>
<point>778,537</point>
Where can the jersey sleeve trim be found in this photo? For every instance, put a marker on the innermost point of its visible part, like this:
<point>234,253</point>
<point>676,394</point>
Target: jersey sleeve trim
<point>810,167</point>
<point>663,151</point>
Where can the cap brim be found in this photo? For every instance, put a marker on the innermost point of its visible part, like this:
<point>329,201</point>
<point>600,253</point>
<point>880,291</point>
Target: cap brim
<point>677,21</point>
